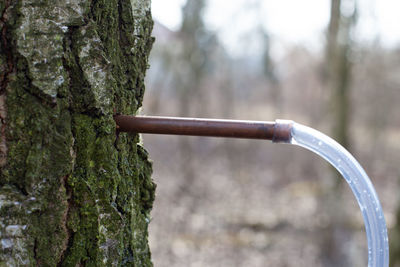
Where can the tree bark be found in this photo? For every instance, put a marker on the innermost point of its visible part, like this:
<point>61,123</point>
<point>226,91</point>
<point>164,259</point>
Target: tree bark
<point>72,192</point>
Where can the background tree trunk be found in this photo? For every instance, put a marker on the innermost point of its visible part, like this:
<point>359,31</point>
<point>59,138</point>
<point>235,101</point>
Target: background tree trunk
<point>338,70</point>
<point>72,192</point>
<point>338,81</point>
<point>188,83</point>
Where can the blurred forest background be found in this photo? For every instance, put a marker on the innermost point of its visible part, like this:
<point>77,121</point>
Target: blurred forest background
<point>238,202</point>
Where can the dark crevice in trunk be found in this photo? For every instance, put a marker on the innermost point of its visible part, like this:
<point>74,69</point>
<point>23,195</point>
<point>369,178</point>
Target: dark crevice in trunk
<point>5,71</point>
<point>68,231</point>
<point>21,189</point>
<point>7,47</point>
<point>92,8</point>
<point>68,52</point>
<point>118,206</point>
<point>35,256</point>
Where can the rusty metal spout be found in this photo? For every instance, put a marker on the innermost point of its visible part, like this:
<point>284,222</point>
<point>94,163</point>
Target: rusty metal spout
<point>278,131</point>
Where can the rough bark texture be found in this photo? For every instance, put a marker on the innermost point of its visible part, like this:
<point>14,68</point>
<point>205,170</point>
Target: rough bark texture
<point>72,192</point>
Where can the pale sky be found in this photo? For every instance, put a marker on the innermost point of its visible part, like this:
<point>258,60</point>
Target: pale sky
<point>287,21</point>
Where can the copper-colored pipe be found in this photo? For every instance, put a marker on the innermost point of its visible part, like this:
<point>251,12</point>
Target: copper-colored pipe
<point>279,131</point>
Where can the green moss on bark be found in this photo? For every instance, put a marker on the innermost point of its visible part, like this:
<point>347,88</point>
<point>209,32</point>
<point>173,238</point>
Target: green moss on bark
<point>72,192</point>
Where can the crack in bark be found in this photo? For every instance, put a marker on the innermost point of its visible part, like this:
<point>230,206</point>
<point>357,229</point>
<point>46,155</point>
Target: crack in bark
<point>10,68</point>
<point>69,232</point>
<point>67,48</point>
<point>92,6</point>
<point>4,80</point>
<point>3,143</point>
<point>35,252</point>
<point>68,54</point>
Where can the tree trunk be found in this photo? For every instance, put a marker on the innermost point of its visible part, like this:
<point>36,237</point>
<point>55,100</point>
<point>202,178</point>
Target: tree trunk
<point>188,84</point>
<point>338,49</point>
<point>338,78</point>
<point>72,192</point>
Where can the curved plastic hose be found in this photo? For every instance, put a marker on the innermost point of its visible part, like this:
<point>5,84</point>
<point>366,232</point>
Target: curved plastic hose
<point>360,184</point>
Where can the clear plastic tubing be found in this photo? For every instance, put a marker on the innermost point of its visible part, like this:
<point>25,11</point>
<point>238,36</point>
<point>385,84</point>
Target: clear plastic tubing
<point>360,184</point>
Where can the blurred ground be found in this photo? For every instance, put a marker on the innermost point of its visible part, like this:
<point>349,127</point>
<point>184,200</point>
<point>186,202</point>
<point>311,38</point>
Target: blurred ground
<point>246,213</point>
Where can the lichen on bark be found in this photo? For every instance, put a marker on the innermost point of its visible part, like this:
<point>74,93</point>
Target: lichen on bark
<point>72,192</point>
